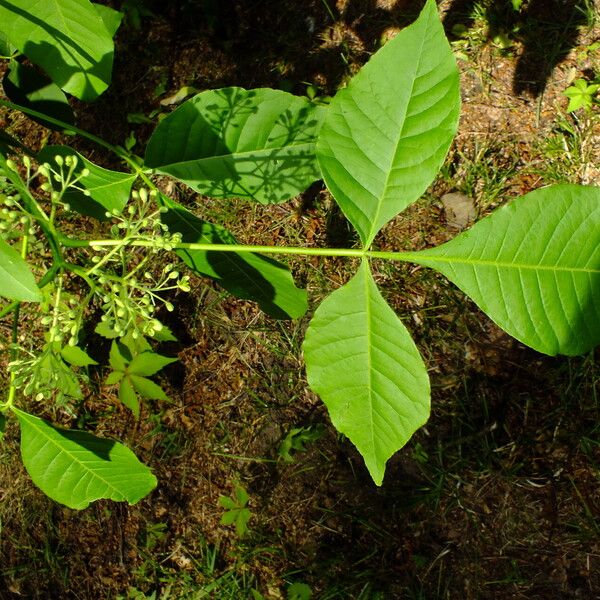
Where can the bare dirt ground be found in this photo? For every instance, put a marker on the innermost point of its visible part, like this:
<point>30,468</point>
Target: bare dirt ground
<point>497,497</point>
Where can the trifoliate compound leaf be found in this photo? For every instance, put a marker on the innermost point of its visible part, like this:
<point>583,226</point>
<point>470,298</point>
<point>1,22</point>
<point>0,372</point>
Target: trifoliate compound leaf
<point>364,365</point>
<point>387,133</point>
<point>75,467</point>
<point>246,275</point>
<point>17,280</point>
<point>108,190</point>
<point>67,38</point>
<point>533,266</point>
<point>237,143</point>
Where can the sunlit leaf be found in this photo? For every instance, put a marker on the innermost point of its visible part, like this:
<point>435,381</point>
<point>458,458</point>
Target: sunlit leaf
<point>149,363</point>
<point>534,267</point>
<point>364,365</point>
<point>17,280</point>
<point>110,17</point>
<point>386,135</point>
<point>77,357</point>
<point>236,143</point>
<point>148,389</point>
<point>128,396</point>
<point>76,468</point>
<point>67,38</point>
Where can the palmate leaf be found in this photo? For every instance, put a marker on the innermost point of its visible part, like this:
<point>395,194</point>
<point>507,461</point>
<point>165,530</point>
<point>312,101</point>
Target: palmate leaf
<point>237,143</point>
<point>386,135</point>
<point>76,467</point>
<point>246,275</point>
<point>533,266</point>
<point>17,280</point>
<point>67,38</point>
<point>364,365</point>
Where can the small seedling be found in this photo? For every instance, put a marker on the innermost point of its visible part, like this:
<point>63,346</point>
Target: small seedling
<point>581,94</point>
<point>236,510</point>
<point>132,362</point>
<point>299,591</point>
<point>296,440</point>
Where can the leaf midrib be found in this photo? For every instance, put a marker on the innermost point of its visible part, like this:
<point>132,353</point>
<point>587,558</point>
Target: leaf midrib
<point>504,265</point>
<point>374,226</point>
<point>369,354</point>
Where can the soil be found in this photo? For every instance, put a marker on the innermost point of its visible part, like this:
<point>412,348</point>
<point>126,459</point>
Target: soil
<point>497,497</point>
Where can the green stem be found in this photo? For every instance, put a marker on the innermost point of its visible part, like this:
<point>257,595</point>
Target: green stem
<point>76,243</point>
<point>12,390</point>
<point>116,247</point>
<point>62,125</point>
<point>34,210</point>
<point>120,152</point>
<point>291,250</point>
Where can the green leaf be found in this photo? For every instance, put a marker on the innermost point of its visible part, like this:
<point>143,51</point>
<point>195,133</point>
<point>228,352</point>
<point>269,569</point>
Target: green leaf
<point>149,363</point>
<point>67,38</point>
<point>109,190</point>
<point>6,48</point>
<point>299,591</point>
<point>164,335</point>
<point>227,503</point>
<point>128,397</point>
<point>130,346</point>
<point>105,330</point>
<point>386,135</point>
<point>28,87</point>
<point>110,17</point>
<point>116,359</point>
<point>114,377</point>
<point>296,439</point>
<point>533,266</point>
<point>229,517</point>
<point>17,280</point>
<point>365,366</point>
<point>76,356</point>
<point>236,143</point>
<point>244,274</point>
<point>148,389</point>
<point>76,467</point>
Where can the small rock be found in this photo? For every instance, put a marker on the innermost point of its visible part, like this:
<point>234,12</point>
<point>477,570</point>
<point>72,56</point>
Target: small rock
<point>460,210</point>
